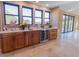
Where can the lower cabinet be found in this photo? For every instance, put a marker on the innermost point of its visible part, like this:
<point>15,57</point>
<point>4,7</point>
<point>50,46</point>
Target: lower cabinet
<point>8,42</point>
<point>13,41</point>
<point>0,41</point>
<point>26,37</point>
<point>53,34</point>
<point>30,38</point>
<point>33,38</point>
<point>19,40</point>
<point>36,37</point>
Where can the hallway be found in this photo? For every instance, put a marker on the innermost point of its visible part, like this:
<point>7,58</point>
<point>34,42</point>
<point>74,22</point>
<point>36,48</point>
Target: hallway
<point>67,46</point>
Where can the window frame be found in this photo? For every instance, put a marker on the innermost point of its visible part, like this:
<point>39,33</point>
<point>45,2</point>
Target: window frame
<point>39,17</point>
<point>28,16</point>
<point>47,18</point>
<point>11,14</point>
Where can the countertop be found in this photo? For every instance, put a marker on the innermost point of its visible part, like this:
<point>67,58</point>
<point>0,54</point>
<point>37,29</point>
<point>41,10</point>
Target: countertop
<point>9,31</point>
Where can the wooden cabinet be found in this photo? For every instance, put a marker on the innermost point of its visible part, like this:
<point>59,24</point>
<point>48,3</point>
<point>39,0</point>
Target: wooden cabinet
<point>12,41</point>
<point>7,42</point>
<point>36,37</point>
<point>26,37</point>
<point>52,34</point>
<point>30,38</point>
<point>19,40</point>
<point>16,40</point>
<point>0,40</point>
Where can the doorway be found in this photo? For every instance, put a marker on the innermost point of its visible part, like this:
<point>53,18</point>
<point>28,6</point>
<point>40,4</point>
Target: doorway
<point>67,24</point>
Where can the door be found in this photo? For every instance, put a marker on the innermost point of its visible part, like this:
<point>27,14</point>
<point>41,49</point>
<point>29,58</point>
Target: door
<point>67,23</point>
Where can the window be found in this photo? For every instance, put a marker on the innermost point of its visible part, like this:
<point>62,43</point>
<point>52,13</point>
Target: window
<point>27,15</point>
<point>38,16</point>
<point>47,17</point>
<point>11,13</point>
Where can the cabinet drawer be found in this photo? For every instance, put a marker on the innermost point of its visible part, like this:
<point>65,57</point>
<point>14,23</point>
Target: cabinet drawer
<point>8,35</point>
<point>54,30</point>
<point>55,33</point>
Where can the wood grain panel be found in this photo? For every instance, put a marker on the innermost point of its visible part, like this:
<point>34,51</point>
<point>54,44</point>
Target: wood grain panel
<point>30,38</point>
<point>0,43</point>
<point>36,37</point>
<point>19,40</point>
<point>52,34</point>
<point>26,34</point>
<point>8,42</point>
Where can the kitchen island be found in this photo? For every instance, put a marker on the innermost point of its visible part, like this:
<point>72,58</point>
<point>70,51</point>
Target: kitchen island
<point>13,40</point>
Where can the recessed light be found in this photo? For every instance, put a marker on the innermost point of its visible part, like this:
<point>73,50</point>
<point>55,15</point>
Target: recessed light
<point>36,1</point>
<point>46,4</point>
<point>70,10</point>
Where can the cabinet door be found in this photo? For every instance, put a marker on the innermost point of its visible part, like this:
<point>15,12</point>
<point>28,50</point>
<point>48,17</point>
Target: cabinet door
<point>7,42</point>
<point>36,37</point>
<point>0,41</point>
<point>30,38</point>
<point>19,40</point>
<point>52,34</point>
<point>26,34</point>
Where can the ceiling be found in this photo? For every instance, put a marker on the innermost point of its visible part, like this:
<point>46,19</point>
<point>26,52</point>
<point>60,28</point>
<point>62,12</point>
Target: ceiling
<point>69,6</point>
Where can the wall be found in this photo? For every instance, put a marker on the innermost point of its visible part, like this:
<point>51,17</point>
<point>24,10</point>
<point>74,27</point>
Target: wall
<point>57,19</point>
<point>57,15</point>
<point>1,16</point>
<point>76,24</point>
<point>20,3</point>
<point>76,20</point>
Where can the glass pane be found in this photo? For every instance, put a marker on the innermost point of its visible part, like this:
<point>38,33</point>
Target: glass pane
<point>69,27</point>
<point>46,21</point>
<point>27,12</point>
<point>71,24</point>
<point>63,23</point>
<point>10,9</point>
<point>66,25</point>
<point>46,14</point>
<point>37,20</point>
<point>10,19</point>
<point>38,13</point>
<point>27,20</point>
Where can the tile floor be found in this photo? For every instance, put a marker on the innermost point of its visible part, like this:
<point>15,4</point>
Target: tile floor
<point>67,46</point>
